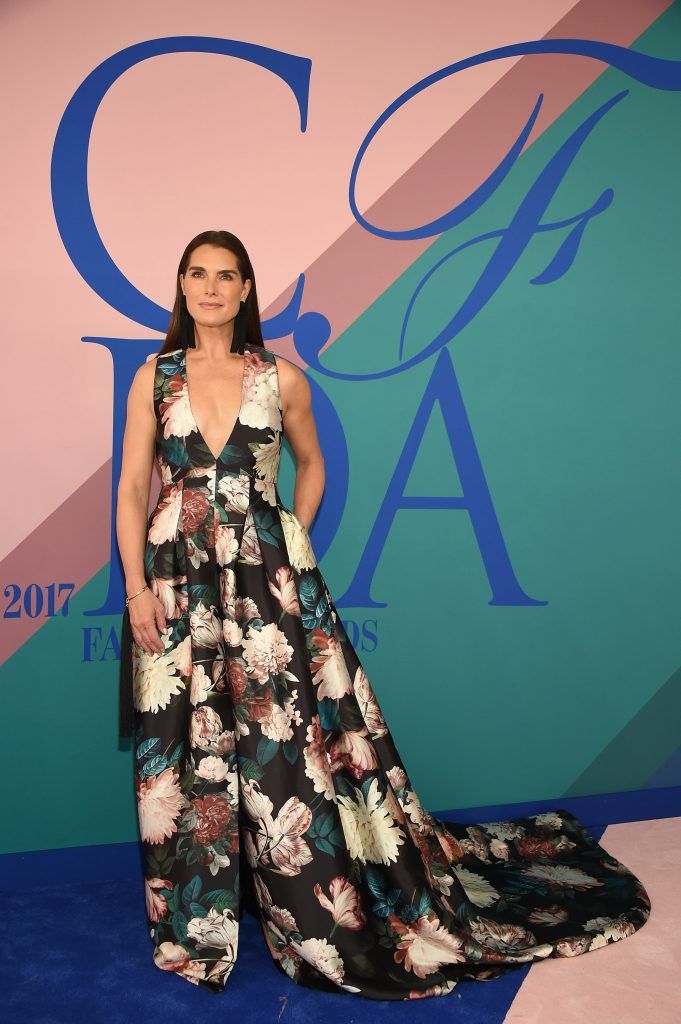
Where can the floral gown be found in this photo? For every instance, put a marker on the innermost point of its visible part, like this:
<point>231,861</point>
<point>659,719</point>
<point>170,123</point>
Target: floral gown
<point>263,764</point>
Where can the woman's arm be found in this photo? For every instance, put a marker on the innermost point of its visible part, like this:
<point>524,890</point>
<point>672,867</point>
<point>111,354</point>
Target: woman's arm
<point>146,611</point>
<point>301,433</point>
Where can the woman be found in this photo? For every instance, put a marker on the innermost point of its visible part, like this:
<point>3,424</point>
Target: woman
<point>263,763</point>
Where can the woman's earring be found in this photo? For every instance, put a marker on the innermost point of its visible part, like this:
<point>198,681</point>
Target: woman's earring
<point>239,334</point>
<point>187,336</point>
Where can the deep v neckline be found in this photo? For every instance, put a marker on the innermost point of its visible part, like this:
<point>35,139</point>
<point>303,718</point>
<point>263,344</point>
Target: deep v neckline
<point>197,428</point>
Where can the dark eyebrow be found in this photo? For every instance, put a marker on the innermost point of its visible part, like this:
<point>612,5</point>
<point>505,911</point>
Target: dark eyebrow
<point>226,270</point>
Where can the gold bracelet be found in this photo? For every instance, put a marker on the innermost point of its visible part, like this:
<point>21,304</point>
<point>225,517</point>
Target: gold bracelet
<point>129,599</point>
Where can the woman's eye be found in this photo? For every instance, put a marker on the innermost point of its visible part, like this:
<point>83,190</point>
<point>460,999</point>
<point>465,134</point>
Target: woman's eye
<point>225,277</point>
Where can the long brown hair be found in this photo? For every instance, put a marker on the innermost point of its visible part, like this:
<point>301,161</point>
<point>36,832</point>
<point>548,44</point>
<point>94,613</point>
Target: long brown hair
<point>249,311</point>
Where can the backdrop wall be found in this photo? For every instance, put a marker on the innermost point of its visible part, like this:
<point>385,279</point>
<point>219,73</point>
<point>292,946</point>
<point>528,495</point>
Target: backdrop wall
<point>465,228</point>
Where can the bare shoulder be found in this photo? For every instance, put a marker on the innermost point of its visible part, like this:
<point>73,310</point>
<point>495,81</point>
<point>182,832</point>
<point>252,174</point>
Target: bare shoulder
<point>142,387</point>
<point>294,386</point>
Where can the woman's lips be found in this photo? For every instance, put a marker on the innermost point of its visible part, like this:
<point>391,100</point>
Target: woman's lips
<point>210,305</point>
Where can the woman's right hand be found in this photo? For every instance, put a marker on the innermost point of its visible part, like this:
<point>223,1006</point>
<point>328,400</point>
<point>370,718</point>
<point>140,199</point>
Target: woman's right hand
<point>147,618</point>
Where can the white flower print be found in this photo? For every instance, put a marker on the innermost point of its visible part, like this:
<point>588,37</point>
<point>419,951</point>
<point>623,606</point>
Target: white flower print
<point>206,626</point>
<point>267,651</point>
<point>323,955</point>
<point>159,802</point>
<point>166,515</point>
<point>176,413</point>
<point>562,875</point>
<point>226,544</point>
<point>155,679</point>
<point>425,946</point>
<point>478,890</point>
<point>215,929</point>
<point>201,685</point>
<point>329,669</point>
<point>277,725</point>
<point>366,698</point>
<point>370,830</point>
<point>235,489</point>
<point>297,540</point>
<point>267,457</point>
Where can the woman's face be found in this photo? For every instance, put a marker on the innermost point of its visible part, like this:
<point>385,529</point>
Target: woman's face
<point>213,286</point>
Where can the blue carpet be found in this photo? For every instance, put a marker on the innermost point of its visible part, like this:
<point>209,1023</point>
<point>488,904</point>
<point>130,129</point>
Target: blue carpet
<point>82,953</point>
<point>78,949</point>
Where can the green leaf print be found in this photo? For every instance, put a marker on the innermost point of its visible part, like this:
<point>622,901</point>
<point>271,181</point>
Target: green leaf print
<point>249,768</point>
<point>179,924</point>
<point>267,748</point>
<point>291,751</point>
<point>146,746</point>
<point>192,890</point>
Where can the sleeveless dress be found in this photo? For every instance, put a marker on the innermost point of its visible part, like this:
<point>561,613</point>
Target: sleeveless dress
<point>265,770</point>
